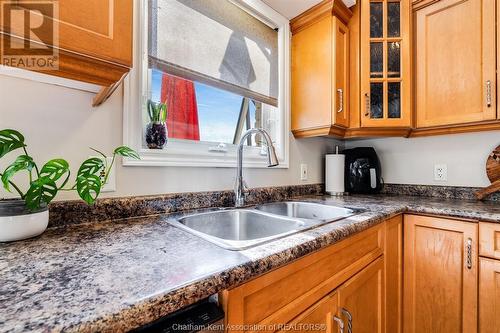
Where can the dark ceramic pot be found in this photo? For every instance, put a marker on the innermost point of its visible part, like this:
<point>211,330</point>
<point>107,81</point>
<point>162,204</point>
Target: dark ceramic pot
<point>156,135</point>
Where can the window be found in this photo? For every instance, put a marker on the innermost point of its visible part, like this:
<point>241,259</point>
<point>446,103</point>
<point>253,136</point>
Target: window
<point>221,67</point>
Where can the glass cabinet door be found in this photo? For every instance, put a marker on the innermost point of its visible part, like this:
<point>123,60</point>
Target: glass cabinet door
<point>385,82</point>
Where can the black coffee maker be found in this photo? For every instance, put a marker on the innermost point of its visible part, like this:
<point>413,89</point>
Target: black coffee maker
<point>363,174</point>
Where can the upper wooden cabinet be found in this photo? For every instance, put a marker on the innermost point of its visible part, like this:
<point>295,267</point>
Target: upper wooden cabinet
<point>94,37</point>
<point>440,275</point>
<point>385,64</point>
<point>320,64</point>
<point>455,62</point>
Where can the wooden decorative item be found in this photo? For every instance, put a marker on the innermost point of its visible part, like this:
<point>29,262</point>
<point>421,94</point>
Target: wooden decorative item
<point>493,172</point>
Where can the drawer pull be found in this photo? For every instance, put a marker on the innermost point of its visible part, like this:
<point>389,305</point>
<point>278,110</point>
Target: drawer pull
<point>468,251</point>
<point>488,93</point>
<point>341,100</point>
<point>339,322</point>
<point>349,319</point>
<point>367,105</point>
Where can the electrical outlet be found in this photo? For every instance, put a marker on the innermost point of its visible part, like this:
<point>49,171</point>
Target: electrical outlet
<point>110,185</point>
<point>303,172</point>
<point>440,172</point>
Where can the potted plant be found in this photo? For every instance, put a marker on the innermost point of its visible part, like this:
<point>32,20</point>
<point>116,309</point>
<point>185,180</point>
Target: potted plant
<point>156,130</point>
<point>27,216</point>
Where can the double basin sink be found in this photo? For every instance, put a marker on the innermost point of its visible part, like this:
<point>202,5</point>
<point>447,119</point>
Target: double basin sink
<point>238,229</point>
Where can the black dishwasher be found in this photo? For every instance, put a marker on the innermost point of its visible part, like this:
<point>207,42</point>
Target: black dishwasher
<point>204,316</point>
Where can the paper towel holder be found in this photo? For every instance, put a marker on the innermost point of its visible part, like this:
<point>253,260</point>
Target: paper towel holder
<point>334,173</point>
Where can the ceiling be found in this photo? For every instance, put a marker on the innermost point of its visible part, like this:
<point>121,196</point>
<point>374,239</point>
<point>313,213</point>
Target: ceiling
<point>292,8</point>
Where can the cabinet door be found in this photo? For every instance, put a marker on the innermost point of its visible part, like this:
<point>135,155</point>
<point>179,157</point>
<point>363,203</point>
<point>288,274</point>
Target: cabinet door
<point>361,300</point>
<point>341,74</point>
<point>318,318</point>
<point>440,275</point>
<point>455,62</point>
<point>96,28</point>
<point>312,76</point>
<point>489,295</point>
<point>385,63</point>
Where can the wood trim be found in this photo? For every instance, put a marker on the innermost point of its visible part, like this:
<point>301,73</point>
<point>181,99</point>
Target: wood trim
<point>419,4</point>
<point>79,67</point>
<point>455,129</point>
<point>393,273</point>
<point>318,131</point>
<point>321,10</point>
<point>352,133</point>
<point>106,92</point>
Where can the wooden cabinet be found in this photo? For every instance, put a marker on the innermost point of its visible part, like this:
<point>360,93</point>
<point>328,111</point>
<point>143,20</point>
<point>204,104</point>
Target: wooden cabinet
<point>455,63</point>
<point>362,300</point>
<point>385,64</point>
<point>291,294</point>
<point>440,275</point>
<point>489,295</point>
<point>318,318</point>
<point>93,38</point>
<point>320,76</point>
<point>489,277</point>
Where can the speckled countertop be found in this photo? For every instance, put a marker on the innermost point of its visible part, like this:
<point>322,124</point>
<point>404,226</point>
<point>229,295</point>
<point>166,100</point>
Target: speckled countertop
<point>115,276</point>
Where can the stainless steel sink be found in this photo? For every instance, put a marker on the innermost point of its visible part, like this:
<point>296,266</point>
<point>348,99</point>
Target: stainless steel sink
<point>238,229</point>
<point>306,210</point>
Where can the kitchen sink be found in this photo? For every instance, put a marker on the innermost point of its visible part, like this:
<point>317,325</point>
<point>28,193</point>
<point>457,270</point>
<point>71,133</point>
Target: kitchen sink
<point>242,228</point>
<point>238,229</point>
<point>306,210</point>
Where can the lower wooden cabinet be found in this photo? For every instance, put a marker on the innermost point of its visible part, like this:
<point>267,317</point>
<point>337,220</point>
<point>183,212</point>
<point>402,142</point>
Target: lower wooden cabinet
<point>318,318</point>
<point>440,275</point>
<point>489,295</point>
<point>413,274</point>
<point>362,300</point>
<point>343,284</point>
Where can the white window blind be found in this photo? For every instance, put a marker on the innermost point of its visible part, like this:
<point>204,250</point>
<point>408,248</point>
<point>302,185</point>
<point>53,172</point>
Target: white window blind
<point>217,43</point>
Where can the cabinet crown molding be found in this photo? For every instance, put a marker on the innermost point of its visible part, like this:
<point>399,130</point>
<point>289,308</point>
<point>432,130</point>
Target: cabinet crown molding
<point>321,10</point>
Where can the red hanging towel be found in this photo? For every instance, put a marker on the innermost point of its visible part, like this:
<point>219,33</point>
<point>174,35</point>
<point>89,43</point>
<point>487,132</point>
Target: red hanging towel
<point>182,118</point>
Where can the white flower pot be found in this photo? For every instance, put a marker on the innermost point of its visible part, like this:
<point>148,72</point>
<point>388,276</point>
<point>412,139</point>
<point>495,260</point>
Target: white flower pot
<point>16,222</point>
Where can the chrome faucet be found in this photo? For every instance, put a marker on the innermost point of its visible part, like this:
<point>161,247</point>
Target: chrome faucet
<point>272,160</point>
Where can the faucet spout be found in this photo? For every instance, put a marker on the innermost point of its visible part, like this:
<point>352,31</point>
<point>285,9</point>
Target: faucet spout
<point>272,160</point>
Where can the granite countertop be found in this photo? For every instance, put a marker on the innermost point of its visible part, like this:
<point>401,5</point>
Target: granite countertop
<point>115,276</point>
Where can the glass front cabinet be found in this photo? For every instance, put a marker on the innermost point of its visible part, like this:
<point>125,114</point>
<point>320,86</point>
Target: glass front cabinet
<point>385,63</point>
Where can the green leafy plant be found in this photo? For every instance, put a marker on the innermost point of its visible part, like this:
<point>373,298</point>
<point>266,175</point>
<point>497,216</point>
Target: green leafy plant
<point>54,175</point>
<point>157,112</point>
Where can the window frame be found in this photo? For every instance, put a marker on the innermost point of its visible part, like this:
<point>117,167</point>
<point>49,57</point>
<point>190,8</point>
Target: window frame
<point>196,153</point>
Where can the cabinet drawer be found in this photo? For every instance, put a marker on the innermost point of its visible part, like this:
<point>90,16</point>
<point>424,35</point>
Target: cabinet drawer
<point>279,296</point>
<point>489,240</point>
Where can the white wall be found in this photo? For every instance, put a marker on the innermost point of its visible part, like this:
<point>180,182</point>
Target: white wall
<point>59,122</point>
<point>411,161</point>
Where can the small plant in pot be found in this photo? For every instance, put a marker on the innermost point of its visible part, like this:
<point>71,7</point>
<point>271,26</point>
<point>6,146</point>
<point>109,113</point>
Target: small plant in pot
<point>156,130</point>
<point>28,216</point>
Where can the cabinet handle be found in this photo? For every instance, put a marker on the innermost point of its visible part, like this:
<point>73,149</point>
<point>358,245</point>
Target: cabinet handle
<point>349,319</point>
<point>341,100</point>
<point>488,93</point>
<point>468,251</point>
<point>367,105</point>
<point>339,322</point>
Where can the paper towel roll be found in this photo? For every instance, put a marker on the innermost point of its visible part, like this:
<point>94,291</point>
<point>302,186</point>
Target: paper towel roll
<point>334,174</point>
